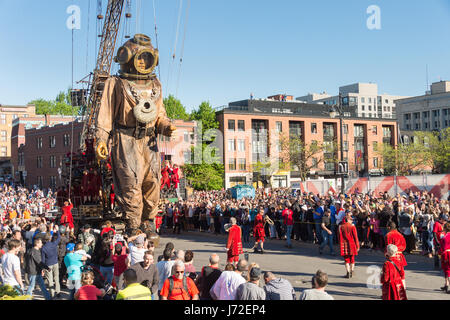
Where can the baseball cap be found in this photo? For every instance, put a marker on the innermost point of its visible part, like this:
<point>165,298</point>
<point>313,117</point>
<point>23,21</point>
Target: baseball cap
<point>139,240</point>
<point>70,246</point>
<point>443,216</point>
<point>255,273</point>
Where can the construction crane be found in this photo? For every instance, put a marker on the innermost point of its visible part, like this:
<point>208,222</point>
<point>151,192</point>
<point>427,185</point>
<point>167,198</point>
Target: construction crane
<point>103,66</point>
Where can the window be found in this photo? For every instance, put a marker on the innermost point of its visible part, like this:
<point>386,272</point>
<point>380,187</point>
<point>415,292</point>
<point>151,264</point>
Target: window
<point>386,100</point>
<point>384,108</point>
<point>241,145</point>
<point>186,136</point>
<point>314,162</point>
<point>345,126</point>
<point>39,162</point>
<point>363,100</point>
<point>241,125</point>
<point>4,135</point>
<point>242,165</point>
<point>66,140</point>
<point>370,108</point>
<point>375,146</point>
<point>370,100</point>
<point>40,181</point>
<point>39,143</point>
<point>231,125</point>
<point>314,128</point>
<point>52,140</point>
<point>279,126</point>
<point>374,130</point>
<point>389,109</point>
<point>345,145</point>
<point>4,151</point>
<point>52,182</point>
<point>231,145</point>
<point>232,164</point>
<point>187,157</point>
<point>52,161</point>
<point>362,108</point>
<point>359,131</point>
<point>2,118</point>
<point>375,162</point>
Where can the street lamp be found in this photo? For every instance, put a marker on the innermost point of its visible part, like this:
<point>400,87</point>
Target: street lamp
<point>337,111</point>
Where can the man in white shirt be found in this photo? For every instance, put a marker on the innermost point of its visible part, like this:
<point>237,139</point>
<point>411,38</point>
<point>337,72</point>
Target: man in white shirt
<point>11,266</point>
<point>164,268</point>
<point>225,287</point>
<point>137,248</point>
<point>320,281</point>
<point>341,213</point>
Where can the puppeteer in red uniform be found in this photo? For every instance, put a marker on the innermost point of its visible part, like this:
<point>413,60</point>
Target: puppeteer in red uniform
<point>349,244</point>
<point>258,231</point>
<point>391,276</point>
<point>66,217</point>
<point>396,238</point>
<point>234,243</point>
<point>175,176</point>
<point>165,176</point>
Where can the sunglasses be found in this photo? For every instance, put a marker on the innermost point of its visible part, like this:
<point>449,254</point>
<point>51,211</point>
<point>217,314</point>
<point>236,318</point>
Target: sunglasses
<point>179,272</point>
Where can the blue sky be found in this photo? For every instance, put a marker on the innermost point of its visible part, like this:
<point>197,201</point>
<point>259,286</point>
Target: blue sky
<point>236,47</point>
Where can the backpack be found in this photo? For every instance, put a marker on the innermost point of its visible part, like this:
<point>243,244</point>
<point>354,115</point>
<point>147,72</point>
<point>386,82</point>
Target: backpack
<point>185,286</point>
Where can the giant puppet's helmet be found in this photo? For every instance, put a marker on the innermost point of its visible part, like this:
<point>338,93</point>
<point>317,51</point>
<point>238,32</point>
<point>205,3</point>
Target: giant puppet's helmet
<point>137,58</point>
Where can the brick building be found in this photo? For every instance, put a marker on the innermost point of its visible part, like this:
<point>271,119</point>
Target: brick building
<point>46,147</point>
<point>251,131</point>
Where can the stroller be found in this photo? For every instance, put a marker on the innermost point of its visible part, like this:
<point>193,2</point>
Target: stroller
<point>100,282</point>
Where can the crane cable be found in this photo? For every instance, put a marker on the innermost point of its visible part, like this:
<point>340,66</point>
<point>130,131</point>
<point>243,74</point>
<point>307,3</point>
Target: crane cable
<point>71,136</point>
<point>182,46</point>
<point>172,56</point>
<point>156,36</point>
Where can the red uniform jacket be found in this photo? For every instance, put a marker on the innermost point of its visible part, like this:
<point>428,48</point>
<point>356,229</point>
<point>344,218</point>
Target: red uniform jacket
<point>348,239</point>
<point>66,217</point>
<point>165,175</point>
<point>396,238</point>
<point>258,229</point>
<point>391,279</point>
<point>234,242</point>
<point>175,177</point>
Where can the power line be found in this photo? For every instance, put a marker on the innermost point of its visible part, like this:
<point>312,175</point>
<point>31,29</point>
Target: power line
<point>182,46</point>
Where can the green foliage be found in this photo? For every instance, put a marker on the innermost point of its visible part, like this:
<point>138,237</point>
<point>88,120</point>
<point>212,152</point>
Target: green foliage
<point>60,106</point>
<point>206,114</point>
<point>174,108</point>
<point>204,176</point>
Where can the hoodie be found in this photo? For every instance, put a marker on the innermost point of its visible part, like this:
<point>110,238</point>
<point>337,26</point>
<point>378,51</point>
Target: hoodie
<point>279,289</point>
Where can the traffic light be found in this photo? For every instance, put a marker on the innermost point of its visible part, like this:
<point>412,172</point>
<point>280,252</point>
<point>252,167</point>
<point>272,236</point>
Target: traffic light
<point>343,167</point>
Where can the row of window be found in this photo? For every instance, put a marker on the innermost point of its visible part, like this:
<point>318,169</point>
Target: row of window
<point>426,114</point>
<point>40,162</point>
<point>40,181</point>
<point>241,164</point>
<point>52,141</point>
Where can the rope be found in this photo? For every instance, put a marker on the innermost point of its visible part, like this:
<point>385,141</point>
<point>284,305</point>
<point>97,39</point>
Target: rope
<point>71,136</point>
<point>87,35</point>
<point>172,56</point>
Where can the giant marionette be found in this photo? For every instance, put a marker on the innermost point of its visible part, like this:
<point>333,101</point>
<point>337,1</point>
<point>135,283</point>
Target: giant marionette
<point>130,117</point>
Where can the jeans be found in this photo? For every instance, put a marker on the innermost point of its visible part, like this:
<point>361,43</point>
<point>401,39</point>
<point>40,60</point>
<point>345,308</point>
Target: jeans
<point>273,231</point>
<point>52,276</point>
<point>288,235</point>
<point>40,281</point>
<point>327,239</point>
<point>246,233</point>
<point>317,226</point>
<point>107,272</point>
<point>427,241</point>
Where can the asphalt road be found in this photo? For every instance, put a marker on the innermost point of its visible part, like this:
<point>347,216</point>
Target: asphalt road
<point>300,263</point>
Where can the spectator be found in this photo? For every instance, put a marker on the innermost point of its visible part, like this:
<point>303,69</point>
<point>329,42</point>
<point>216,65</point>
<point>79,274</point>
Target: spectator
<point>88,291</point>
<point>87,239</point>
<point>137,248</point>
<point>119,258</point>
<point>225,287</point>
<point>178,286</point>
<point>189,265</point>
<point>165,267</point>
<point>50,259</point>
<point>208,277</point>
<point>251,290</point>
<point>147,273</point>
<point>133,290</point>
<point>320,281</point>
<point>35,269</point>
<point>73,262</point>
<point>327,233</point>
<point>277,288</point>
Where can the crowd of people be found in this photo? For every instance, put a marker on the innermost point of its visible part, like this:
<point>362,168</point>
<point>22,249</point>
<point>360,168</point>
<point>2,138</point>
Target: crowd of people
<point>102,264</point>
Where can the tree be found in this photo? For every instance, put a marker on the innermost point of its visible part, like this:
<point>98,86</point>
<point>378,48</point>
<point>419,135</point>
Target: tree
<point>60,106</point>
<point>300,156</point>
<point>174,108</point>
<point>206,114</point>
<point>436,145</point>
<point>407,158</point>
